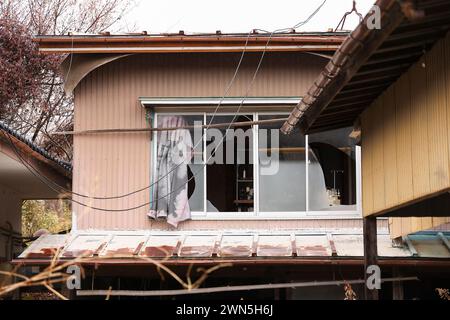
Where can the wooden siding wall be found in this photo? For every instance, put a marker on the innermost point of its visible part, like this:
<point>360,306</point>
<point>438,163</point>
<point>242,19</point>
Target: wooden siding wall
<point>114,164</point>
<point>405,141</point>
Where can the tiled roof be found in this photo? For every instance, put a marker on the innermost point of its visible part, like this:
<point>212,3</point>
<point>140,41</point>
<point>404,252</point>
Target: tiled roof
<point>65,165</point>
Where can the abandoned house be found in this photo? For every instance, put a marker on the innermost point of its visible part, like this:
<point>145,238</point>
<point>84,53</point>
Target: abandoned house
<point>179,156</point>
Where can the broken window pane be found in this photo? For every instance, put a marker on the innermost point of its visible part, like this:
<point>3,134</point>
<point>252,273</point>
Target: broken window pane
<point>229,172</point>
<point>332,171</point>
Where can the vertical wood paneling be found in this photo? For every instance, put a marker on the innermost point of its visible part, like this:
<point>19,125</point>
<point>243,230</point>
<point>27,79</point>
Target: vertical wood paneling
<point>419,131</point>
<point>395,227</point>
<point>112,164</point>
<point>446,67</point>
<point>414,146</point>
<point>390,148</point>
<point>378,173</point>
<point>403,135</point>
<point>366,161</point>
<point>437,119</point>
<point>401,226</point>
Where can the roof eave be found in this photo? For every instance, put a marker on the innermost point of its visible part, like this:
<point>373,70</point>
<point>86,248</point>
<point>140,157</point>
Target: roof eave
<point>352,54</point>
<point>189,43</point>
<point>25,146</point>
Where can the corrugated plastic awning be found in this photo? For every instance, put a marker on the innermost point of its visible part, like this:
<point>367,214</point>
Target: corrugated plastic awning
<point>251,246</point>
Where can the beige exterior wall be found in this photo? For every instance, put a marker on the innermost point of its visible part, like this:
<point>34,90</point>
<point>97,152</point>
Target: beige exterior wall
<point>113,164</point>
<point>405,141</point>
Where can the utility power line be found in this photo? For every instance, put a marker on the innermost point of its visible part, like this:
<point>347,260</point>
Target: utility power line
<point>43,178</point>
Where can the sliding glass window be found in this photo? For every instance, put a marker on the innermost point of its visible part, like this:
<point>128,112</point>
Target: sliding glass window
<point>243,167</point>
<point>282,169</point>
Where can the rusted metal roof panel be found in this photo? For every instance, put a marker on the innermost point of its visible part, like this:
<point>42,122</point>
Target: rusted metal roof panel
<point>313,246</point>
<point>124,246</point>
<point>198,246</point>
<point>85,246</point>
<point>232,246</point>
<point>161,246</point>
<point>236,246</point>
<point>274,246</point>
<point>45,246</point>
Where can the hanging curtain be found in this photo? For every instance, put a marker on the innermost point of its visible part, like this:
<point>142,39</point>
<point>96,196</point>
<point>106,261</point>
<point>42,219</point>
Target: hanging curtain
<point>170,191</point>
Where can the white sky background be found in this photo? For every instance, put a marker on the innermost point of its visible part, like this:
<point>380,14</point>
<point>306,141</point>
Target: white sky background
<point>161,16</point>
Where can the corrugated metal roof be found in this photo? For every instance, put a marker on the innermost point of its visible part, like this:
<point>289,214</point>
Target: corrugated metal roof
<point>160,246</point>
<point>236,246</point>
<point>46,246</point>
<point>85,245</point>
<point>251,245</point>
<point>274,245</point>
<point>313,246</point>
<point>124,246</point>
<point>197,246</point>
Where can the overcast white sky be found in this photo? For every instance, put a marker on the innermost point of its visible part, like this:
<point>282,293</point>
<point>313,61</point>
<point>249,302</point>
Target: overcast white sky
<point>156,16</point>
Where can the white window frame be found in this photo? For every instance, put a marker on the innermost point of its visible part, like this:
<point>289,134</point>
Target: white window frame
<point>256,214</point>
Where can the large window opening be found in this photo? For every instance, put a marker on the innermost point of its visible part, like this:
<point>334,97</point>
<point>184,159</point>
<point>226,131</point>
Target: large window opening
<point>254,171</point>
<point>229,170</point>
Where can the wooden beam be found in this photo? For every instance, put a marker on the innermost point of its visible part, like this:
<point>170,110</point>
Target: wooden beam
<point>370,252</point>
<point>397,286</point>
<point>372,70</point>
<point>253,261</point>
<point>382,77</point>
<point>326,127</point>
<point>393,47</point>
<point>393,56</point>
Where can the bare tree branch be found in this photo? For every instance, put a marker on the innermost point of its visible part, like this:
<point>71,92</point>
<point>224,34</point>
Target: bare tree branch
<point>32,97</point>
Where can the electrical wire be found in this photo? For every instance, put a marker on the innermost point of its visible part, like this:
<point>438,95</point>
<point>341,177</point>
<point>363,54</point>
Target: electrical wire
<point>230,84</point>
<point>40,177</point>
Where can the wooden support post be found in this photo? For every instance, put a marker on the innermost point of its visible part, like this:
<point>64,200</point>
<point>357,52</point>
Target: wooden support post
<point>397,286</point>
<point>68,293</point>
<point>370,252</point>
